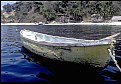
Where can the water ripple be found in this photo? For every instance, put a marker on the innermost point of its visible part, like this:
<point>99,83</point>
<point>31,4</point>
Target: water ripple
<point>18,67</point>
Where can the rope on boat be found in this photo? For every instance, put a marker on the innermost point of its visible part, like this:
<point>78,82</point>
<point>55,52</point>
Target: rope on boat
<point>113,57</point>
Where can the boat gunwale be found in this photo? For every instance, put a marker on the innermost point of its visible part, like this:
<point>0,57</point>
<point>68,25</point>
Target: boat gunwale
<point>59,36</point>
<point>60,44</point>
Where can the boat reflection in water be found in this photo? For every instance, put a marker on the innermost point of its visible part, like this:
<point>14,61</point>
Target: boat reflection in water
<point>64,72</point>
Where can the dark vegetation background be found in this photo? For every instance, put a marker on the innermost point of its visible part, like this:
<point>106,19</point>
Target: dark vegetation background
<point>76,11</point>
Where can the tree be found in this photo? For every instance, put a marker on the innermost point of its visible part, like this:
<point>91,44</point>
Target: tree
<point>7,8</point>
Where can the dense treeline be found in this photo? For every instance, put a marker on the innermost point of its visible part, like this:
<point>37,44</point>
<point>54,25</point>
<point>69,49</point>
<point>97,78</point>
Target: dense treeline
<point>35,11</point>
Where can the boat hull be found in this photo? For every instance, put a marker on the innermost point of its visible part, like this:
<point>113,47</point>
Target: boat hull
<point>96,56</point>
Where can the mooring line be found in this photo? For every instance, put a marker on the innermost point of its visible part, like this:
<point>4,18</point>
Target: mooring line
<point>113,57</point>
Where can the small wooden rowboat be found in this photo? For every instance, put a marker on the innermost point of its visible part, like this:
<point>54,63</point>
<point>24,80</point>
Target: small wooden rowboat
<point>92,52</point>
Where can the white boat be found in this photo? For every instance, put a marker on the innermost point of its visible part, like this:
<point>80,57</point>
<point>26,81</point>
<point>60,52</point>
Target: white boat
<point>40,23</point>
<point>92,52</point>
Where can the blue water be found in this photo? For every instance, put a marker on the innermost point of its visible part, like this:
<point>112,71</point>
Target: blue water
<point>20,65</point>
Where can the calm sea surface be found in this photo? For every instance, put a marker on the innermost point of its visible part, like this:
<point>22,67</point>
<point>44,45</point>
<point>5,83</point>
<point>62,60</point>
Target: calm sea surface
<point>20,65</point>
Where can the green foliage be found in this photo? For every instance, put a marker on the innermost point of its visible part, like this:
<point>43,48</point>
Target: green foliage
<point>7,8</point>
<point>76,9</point>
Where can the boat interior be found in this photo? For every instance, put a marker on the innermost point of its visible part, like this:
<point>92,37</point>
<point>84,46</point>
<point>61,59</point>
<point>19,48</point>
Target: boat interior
<point>57,39</point>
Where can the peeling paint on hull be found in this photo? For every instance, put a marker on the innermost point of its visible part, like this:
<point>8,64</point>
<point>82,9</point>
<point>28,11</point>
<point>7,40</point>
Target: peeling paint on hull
<point>96,56</point>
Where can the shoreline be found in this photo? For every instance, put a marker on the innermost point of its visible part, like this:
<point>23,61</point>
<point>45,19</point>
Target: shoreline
<point>112,23</point>
<point>19,23</point>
